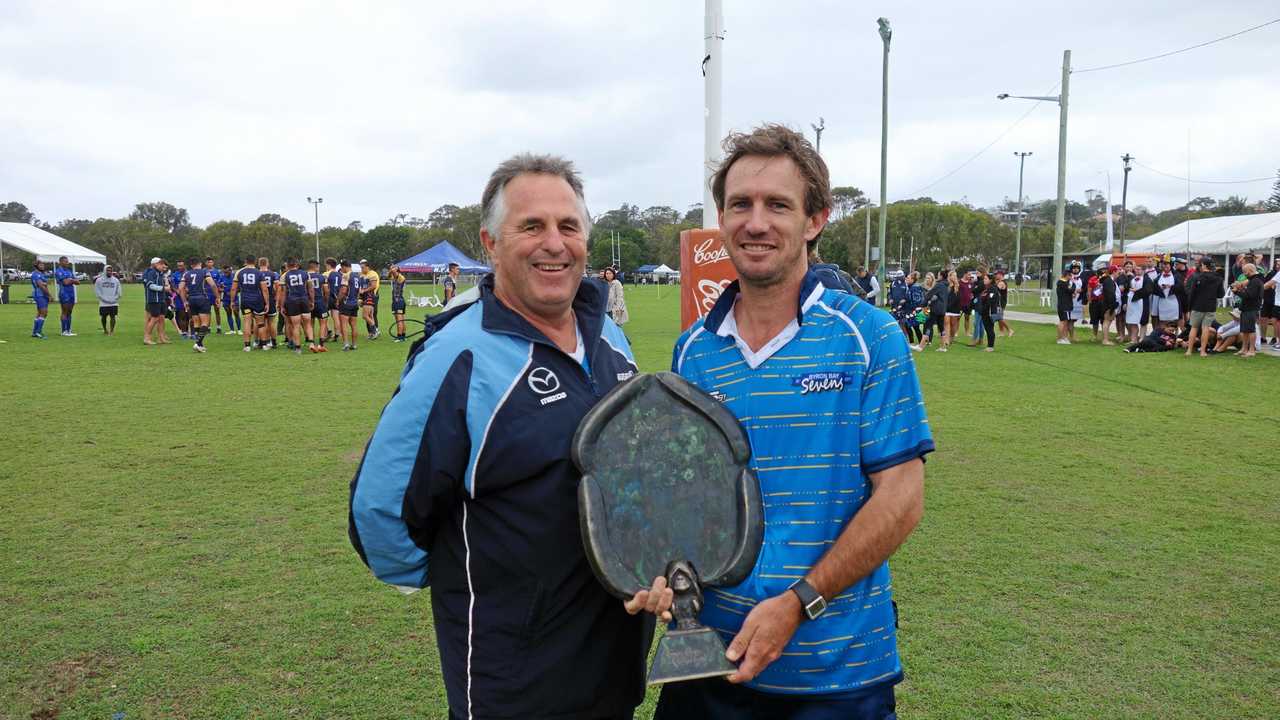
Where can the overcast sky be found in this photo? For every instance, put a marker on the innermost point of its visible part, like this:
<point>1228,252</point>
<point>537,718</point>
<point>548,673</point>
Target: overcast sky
<point>232,109</point>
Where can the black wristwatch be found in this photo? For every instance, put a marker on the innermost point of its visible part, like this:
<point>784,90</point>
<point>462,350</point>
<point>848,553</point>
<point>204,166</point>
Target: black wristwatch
<point>812,602</point>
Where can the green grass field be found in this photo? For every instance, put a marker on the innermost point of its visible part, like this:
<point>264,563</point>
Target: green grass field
<point>1100,536</point>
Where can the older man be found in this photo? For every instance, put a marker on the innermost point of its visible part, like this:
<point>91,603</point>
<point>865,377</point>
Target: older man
<point>826,389</point>
<point>467,484</point>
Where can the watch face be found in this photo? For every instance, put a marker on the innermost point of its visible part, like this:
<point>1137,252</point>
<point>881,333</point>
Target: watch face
<point>816,608</point>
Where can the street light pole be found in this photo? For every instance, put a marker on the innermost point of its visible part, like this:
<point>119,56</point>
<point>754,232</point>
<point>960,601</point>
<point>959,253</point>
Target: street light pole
<point>1017,242</point>
<point>886,34</point>
<point>817,130</point>
<point>316,205</point>
<point>1061,99</point>
<point>1124,199</point>
<point>1060,217</point>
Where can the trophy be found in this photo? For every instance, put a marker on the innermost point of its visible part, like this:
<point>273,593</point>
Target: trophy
<point>666,490</point>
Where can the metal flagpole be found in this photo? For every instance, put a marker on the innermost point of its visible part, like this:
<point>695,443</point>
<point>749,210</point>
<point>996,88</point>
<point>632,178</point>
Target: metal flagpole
<point>713,44</point>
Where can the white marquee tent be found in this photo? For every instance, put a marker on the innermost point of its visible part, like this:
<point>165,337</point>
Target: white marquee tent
<point>45,245</point>
<point>1216,236</point>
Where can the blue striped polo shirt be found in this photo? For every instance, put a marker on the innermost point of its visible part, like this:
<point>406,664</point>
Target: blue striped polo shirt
<point>833,398</point>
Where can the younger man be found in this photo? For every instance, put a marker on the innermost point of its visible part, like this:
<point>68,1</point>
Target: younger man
<point>199,293</point>
<point>295,287</point>
<point>40,293</point>
<point>349,305</point>
<point>320,306</point>
<point>108,288</point>
<point>67,282</point>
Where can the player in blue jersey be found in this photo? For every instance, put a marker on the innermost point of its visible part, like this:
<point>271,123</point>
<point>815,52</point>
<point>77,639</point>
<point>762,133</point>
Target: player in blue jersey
<point>349,292</point>
<point>397,300</point>
<point>320,306</point>
<point>225,278</point>
<point>270,330</point>
<point>41,295</point>
<point>216,274</point>
<point>181,318</point>
<point>199,293</point>
<point>251,288</point>
<point>827,392</point>
<point>299,300</point>
<point>333,281</point>
<point>65,278</point>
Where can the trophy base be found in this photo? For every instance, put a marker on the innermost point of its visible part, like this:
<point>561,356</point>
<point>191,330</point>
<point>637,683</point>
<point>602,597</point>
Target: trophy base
<point>689,655</point>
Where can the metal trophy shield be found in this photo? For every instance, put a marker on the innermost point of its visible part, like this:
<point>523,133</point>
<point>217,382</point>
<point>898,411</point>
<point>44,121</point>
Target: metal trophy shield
<point>666,490</point>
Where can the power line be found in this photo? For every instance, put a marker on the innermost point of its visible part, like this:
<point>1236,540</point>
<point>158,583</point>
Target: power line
<point>1175,52</point>
<point>1206,182</point>
<point>980,153</point>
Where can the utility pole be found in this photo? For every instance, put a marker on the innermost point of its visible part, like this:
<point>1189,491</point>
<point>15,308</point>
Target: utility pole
<point>1017,242</point>
<point>713,44</point>
<point>817,130</point>
<point>316,204</point>
<point>886,34</point>
<point>867,246</point>
<point>1060,215</point>
<point>1124,199</point>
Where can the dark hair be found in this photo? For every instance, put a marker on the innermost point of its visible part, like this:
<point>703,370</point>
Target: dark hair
<point>330,262</point>
<point>193,261</point>
<point>774,140</point>
<point>207,258</point>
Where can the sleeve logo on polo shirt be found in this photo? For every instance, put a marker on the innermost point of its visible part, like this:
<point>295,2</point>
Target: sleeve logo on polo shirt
<point>820,382</point>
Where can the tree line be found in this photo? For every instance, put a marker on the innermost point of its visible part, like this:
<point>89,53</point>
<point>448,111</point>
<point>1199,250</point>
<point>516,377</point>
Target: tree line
<point>921,232</point>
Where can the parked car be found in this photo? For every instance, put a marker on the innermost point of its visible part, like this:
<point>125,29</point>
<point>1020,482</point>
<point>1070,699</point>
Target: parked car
<point>137,277</point>
<point>12,274</point>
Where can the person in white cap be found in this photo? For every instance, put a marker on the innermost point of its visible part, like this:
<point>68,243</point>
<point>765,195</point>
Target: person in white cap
<point>108,288</point>
<point>157,301</point>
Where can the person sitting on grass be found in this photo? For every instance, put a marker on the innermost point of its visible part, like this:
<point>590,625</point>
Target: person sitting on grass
<point>1163,338</point>
<point>1228,335</point>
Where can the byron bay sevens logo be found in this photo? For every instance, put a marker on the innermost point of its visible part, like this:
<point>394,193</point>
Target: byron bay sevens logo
<point>544,382</point>
<point>820,382</point>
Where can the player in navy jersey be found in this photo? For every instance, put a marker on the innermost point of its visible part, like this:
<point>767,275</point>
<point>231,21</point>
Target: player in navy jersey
<point>397,300</point>
<point>249,286</point>
<point>320,306</point>
<point>229,302</point>
<point>333,281</point>
<point>269,330</point>
<point>349,292</point>
<point>199,293</point>
<point>181,317</point>
<point>216,274</point>
<point>66,280</point>
<point>299,299</point>
<point>41,295</point>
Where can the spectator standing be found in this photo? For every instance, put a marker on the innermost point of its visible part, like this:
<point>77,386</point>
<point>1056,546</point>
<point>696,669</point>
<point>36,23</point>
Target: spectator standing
<point>988,304</point>
<point>953,309</point>
<point>935,304</point>
<point>966,298</point>
<point>869,284</point>
<point>108,288</point>
<point>1135,304</point>
<point>1003,286</point>
<point>617,303</point>
<point>1110,302</point>
<point>157,299</point>
<point>1203,293</point>
<point>977,284</point>
<point>1066,295</point>
<point>451,282</point>
<point>1250,292</point>
<point>1270,312</point>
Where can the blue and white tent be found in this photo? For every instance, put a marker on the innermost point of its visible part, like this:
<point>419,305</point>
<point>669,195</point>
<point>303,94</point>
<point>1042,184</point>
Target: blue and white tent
<point>437,258</point>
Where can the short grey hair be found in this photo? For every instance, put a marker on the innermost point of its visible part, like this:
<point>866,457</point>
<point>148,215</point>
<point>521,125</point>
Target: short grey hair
<point>493,208</point>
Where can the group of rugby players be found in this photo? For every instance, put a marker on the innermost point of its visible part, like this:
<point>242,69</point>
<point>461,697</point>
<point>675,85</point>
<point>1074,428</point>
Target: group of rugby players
<point>307,305</point>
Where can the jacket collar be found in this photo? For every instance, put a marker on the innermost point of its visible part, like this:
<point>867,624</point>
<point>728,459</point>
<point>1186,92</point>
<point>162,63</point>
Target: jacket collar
<point>588,308</point>
<point>810,292</point>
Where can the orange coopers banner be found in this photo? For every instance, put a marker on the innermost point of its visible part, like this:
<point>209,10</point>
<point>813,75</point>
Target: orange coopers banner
<point>705,271</point>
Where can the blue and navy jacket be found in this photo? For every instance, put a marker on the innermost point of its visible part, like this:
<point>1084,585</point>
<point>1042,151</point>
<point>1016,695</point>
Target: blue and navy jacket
<point>467,487</point>
<point>152,278</point>
<point>830,401</point>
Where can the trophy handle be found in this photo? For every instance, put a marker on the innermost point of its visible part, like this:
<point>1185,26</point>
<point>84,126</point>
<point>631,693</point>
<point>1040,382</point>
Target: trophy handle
<point>751,519</point>
<point>597,544</point>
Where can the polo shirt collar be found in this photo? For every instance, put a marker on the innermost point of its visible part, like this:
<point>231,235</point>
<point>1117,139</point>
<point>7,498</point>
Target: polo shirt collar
<point>722,322</point>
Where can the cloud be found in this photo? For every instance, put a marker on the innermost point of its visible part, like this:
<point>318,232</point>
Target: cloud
<point>233,109</point>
